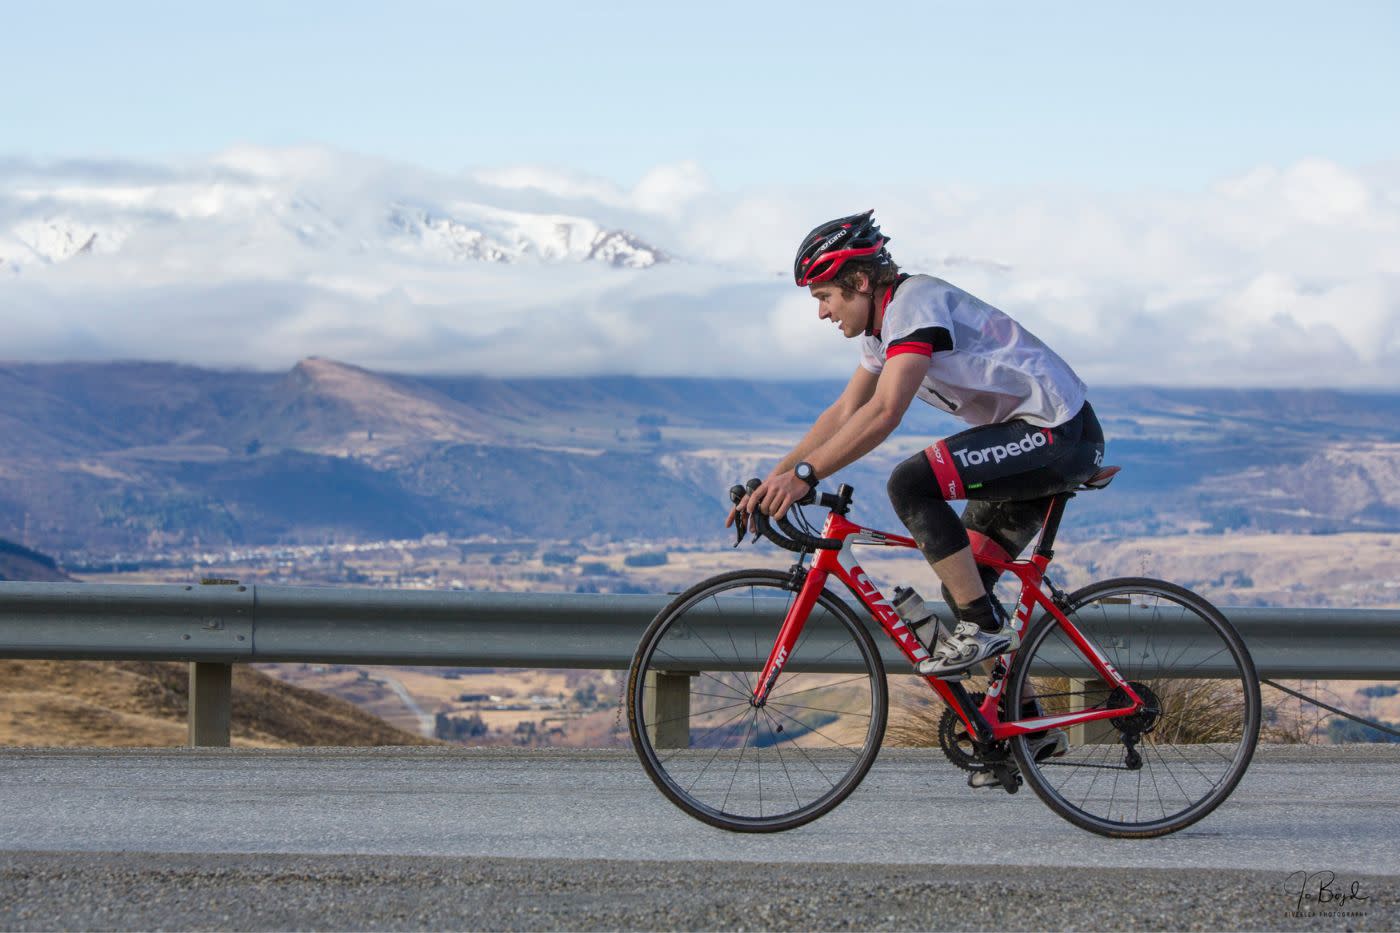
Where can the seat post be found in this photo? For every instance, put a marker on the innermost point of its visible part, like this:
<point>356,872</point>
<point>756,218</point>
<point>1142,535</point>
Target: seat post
<point>1046,546</point>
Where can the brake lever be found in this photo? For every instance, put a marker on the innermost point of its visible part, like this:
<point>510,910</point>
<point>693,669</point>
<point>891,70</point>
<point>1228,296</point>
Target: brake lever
<point>741,518</point>
<point>753,483</point>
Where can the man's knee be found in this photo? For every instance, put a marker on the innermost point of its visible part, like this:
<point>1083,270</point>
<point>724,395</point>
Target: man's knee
<point>931,521</point>
<point>912,485</point>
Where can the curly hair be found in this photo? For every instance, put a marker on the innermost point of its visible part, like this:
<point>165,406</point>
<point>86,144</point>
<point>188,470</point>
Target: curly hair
<point>880,275</point>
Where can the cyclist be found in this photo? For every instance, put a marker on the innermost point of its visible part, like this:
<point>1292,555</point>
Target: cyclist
<point>1032,434</point>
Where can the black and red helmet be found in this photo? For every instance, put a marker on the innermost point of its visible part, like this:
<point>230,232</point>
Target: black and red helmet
<point>830,246</point>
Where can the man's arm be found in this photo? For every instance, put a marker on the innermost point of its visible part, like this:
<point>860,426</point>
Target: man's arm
<point>858,391</point>
<point>857,434</point>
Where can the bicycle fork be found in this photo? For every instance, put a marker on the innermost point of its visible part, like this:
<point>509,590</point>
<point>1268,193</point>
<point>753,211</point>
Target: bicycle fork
<point>788,634</point>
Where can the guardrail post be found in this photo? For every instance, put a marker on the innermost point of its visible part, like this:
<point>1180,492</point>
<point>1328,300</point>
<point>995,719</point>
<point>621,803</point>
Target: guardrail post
<point>1098,732</point>
<point>668,708</point>
<point>211,703</point>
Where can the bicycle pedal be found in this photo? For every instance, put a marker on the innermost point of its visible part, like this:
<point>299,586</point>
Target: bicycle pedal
<point>1007,777</point>
<point>983,778</point>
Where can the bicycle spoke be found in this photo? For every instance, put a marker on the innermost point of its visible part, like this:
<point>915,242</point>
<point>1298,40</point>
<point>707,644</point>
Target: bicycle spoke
<point>719,696</point>
<point>828,654</point>
<point>696,632</point>
<point>819,709</point>
<point>1108,750</point>
<point>778,747</point>
<point>711,731</point>
<point>758,758</point>
<point>1170,773</point>
<point>845,748</point>
<point>738,660</point>
<point>818,687</point>
<point>693,715</point>
<point>804,754</point>
<point>1193,765</point>
<point>1153,775</point>
<point>741,761</point>
<point>733,690</point>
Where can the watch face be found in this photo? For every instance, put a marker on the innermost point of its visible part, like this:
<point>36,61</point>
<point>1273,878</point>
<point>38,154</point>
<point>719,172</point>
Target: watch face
<point>804,471</point>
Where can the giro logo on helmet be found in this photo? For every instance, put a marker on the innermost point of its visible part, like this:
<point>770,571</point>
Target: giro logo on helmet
<point>858,236</point>
<point>1000,452</point>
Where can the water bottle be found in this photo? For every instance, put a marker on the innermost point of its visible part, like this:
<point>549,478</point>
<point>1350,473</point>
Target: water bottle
<point>909,606</point>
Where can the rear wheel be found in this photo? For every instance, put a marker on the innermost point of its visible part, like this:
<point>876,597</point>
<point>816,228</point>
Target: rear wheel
<point>743,767</point>
<point>1174,761</point>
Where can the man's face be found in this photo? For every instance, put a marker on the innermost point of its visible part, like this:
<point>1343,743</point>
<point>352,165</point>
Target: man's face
<point>847,313</point>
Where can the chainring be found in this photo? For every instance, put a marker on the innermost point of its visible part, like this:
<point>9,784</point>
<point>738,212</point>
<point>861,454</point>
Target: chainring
<point>955,741</point>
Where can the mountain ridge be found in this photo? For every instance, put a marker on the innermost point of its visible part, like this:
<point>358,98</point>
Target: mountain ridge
<point>135,457</point>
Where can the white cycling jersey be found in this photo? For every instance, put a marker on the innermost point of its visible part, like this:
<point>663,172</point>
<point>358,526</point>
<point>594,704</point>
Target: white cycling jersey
<point>983,366</point>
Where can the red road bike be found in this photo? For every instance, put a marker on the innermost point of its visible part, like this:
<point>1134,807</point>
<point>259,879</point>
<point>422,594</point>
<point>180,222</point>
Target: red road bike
<point>757,700</point>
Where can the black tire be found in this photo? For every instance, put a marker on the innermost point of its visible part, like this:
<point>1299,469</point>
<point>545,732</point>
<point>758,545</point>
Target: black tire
<point>717,635</point>
<point>1192,751</point>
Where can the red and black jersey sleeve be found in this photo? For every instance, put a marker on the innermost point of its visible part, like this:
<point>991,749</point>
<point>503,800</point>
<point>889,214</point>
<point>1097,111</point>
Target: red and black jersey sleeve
<point>926,341</point>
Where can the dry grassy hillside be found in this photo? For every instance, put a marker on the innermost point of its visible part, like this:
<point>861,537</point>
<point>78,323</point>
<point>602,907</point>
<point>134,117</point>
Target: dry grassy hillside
<point>141,703</point>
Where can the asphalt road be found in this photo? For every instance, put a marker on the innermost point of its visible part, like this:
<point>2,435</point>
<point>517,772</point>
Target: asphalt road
<point>448,838</point>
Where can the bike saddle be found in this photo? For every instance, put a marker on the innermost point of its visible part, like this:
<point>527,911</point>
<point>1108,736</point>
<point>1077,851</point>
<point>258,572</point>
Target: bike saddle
<point>1102,478</point>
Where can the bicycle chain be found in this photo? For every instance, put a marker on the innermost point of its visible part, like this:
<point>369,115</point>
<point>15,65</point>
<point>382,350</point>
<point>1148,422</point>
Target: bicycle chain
<point>953,738</point>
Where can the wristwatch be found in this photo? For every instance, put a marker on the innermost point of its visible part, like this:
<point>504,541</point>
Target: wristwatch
<point>805,473</point>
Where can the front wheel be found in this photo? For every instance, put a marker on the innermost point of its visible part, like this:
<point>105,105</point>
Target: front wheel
<point>726,761</point>
<point>1166,766</point>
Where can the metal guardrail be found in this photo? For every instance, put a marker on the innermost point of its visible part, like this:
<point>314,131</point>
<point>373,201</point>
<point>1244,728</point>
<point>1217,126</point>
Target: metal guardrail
<point>216,626</point>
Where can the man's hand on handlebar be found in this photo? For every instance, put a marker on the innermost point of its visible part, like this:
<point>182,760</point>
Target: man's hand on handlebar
<point>743,507</point>
<point>774,496</point>
<point>779,493</point>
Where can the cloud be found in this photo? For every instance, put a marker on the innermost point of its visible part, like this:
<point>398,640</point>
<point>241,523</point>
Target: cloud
<point>1283,275</point>
<point>668,189</point>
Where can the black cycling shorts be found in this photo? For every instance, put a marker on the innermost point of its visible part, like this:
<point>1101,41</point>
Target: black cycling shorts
<point>1016,460</point>
<point>1008,470</point>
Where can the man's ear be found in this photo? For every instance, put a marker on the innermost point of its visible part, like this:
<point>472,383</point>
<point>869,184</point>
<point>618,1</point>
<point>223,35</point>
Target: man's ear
<point>863,283</point>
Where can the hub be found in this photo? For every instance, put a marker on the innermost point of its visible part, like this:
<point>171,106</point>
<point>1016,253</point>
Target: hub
<point>1145,719</point>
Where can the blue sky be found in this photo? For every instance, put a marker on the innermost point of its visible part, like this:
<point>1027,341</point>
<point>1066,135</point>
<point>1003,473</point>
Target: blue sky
<point>1102,95</point>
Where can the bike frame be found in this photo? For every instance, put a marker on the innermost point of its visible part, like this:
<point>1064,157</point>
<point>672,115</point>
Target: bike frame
<point>984,721</point>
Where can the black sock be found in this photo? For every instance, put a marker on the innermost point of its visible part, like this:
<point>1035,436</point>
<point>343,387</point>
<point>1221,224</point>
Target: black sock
<point>981,612</point>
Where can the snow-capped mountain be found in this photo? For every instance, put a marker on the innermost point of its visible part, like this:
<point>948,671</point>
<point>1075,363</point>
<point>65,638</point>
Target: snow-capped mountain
<point>54,239</point>
<point>481,233</point>
<point>48,220</point>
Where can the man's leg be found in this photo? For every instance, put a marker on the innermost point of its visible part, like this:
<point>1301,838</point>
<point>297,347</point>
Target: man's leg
<point>1008,461</point>
<point>960,577</point>
<point>1011,524</point>
<point>983,630</point>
